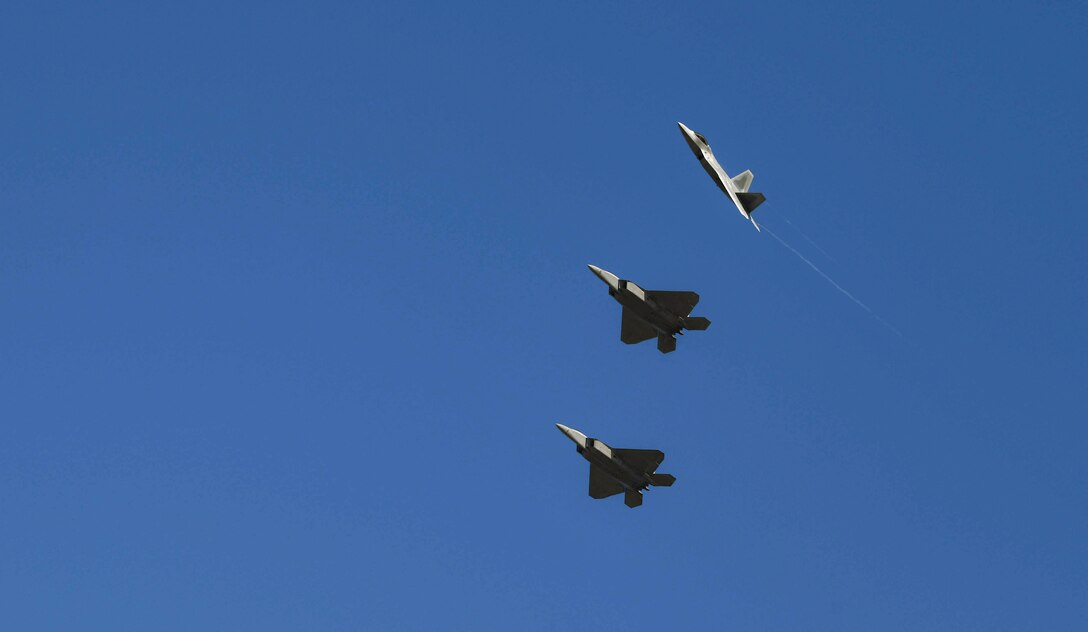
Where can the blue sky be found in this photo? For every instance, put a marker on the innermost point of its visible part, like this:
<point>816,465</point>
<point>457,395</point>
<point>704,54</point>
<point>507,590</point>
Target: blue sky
<point>293,295</point>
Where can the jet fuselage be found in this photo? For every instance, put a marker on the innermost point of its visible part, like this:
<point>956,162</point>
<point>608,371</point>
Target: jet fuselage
<point>701,148</point>
<point>613,466</point>
<point>598,453</point>
<point>710,165</point>
<point>634,298</point>
<point>619,470</point>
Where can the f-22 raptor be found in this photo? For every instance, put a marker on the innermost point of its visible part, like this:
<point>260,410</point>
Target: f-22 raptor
<point>615,470</point>
<point>736,188</point>
<point>652,313</point>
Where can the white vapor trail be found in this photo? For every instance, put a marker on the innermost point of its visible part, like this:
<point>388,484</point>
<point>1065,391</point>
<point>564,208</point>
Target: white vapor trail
<point>809,240</point>
<point>832,282</point>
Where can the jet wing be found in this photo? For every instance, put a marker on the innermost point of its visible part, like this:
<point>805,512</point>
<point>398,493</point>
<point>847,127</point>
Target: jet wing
<point>601,485</point>
<point>642,461</point>
<point>633,329</point>
<point>679,303</point>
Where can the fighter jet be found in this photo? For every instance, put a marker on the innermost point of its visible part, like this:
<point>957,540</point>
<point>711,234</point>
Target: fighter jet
<point>650,313</point>
<point>736,188</point>
<point>615,470</point>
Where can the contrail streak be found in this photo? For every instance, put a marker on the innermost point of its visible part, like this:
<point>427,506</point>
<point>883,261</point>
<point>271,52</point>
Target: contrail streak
<point>809,240</point>
<point>832,282</point>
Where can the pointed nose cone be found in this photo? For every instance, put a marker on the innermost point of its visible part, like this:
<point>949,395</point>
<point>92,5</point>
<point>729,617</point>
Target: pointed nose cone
<point>572,434</point>
<point>692,139</point>
<point>687,132</point>
<point>606,276</point>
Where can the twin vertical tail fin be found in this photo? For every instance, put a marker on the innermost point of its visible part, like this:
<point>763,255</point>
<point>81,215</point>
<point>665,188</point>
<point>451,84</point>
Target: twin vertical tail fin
<point>749,201</point>
<point>666,344</point>
<point>632,498</point>
<point>743,181</point>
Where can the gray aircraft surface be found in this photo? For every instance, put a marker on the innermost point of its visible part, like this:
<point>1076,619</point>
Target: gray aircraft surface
<point>736,188</point>
<point>652,313</point>
<point>615,470</point>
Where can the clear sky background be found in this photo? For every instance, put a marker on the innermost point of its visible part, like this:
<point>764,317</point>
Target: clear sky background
<point>292,296</point>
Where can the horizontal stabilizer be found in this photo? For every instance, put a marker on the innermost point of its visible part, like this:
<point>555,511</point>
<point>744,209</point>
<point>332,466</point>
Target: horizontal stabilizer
<point>750,201</point>
<point>696,323</point>
<point>662,480</point>
<point>743,181</point>
<point>632,498</point>
<point>665,344</point>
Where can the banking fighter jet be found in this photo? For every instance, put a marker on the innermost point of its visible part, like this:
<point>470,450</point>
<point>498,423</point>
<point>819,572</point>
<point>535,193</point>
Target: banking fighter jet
<point>736,188</point>
<point>615,470</point>
<point>652,313</point>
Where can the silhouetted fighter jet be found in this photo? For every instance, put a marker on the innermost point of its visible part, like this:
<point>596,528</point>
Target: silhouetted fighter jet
<point>652,313</point>
<point>736,188</point>
<point>615,470</point>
